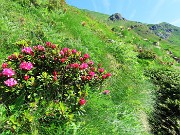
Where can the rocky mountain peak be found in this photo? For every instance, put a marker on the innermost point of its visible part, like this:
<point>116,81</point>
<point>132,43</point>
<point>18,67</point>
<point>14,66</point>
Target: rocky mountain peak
<point>116,17</point>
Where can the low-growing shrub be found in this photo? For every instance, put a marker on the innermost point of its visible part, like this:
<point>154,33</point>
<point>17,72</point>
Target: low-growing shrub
<point>165,118</point>
<point>46,85</point>
<point>146,54</point>
<point>51,4</point>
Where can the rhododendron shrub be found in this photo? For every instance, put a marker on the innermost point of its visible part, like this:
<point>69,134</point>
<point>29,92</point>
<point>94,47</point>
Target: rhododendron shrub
<point>49,74</point>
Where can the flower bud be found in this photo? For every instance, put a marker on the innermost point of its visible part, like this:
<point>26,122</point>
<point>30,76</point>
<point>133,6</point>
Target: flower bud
<point>82,101</point>
<point>26,77</point>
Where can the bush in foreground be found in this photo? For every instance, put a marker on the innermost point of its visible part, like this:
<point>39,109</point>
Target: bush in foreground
<point>47,85</point>
<point>165,118</point>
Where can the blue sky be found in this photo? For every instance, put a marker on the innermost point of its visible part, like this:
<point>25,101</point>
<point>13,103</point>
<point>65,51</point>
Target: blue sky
<point>146,11</point>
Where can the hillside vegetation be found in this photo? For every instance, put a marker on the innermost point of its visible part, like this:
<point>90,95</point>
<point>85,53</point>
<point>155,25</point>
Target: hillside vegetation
<point>141,94</point>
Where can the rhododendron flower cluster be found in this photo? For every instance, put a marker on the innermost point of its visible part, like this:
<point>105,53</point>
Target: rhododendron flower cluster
<point>48,44</point>
<point>40,48</point>
<point>63,60</point>
<point>75,65</point>
<point>106,75</point>
<point>51,73</point>
<point>68,63</point>
<point>90,63</point>
<point>4,65</point>
<point>91,73</point>
<point>26,65</point>
<point>86,56</point>
<point>101,70</point>
<point>83,66</point>
<point>74,51</point>
<point>12,57</point>
<point>27,50</point>
<point>8,72</point>
<point>10,82</point>
<point>55,75</point>
<point>53,46</point>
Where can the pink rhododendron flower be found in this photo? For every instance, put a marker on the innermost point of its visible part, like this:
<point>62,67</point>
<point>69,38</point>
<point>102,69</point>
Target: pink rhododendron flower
<point>40,48</point>
<point>75,65</point>
<point>26,65</point>
<point>26,77</point>
<point>83,78</point>
<point>42,56</point>
<point>82,101</point>
<point>92,74</point>
<point>10,82</point>
<point>4,65</point>
<point>62,53</point>
<point>74,51</point>
<point>81,59</point>
<point>104,76</point>
<point>106,92</point>
<point>10,57</point>
<point>8,72</point>
<point>65,49</point>
<point>92,69</point>
<point>108,74</point>
<point>14,56</point>
<point>90,63</point>
<point>63,60</point>
<point>86,56</point>
<point>35,47</point>
<point>101,70</point>
<point>48,44</point>
<point>53,46</point>
<point>83,66</point>
<point>27,50</point>
<point>55,78</point>
<point>55,73</point>
<point>88,77</point>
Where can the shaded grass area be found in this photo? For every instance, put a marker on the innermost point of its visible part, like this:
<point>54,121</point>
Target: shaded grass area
<point>165,117</point>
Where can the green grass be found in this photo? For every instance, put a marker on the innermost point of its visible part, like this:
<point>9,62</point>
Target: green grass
<point>125,110</point>
<point>142,31</point>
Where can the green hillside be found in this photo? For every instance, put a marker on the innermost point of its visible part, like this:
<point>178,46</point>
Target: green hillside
<point>135,57</point>
<point>166,34</point>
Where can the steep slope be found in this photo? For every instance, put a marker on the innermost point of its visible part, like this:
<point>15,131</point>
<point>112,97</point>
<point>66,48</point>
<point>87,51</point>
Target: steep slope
<point>122,51</point>
<point>151,48</point>
<point>117,113</point>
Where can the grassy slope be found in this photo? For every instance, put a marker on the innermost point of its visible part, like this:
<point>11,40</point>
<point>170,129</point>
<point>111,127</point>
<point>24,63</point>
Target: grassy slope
<point>121,112</point>
<point>172,42</point>
<point>142,31</point>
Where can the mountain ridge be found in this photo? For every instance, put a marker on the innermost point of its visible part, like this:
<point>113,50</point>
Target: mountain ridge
<point>108,15</point>
<point>144,30</point>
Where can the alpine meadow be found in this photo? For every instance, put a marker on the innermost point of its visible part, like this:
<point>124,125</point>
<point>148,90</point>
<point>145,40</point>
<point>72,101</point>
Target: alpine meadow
<point>70,71</point>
